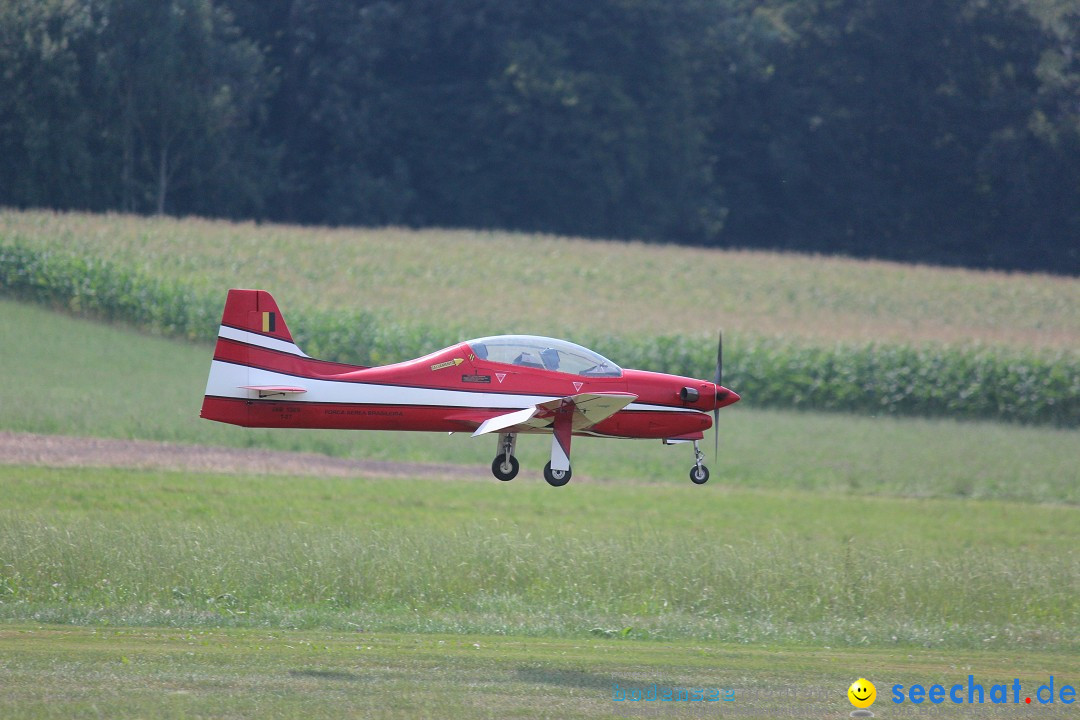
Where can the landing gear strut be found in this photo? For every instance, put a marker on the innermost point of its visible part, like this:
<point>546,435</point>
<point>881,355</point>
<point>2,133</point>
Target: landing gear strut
<point>699,474</point>
<point>505,465</point>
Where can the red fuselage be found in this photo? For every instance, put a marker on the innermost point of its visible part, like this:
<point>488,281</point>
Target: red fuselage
<point>452,398</point>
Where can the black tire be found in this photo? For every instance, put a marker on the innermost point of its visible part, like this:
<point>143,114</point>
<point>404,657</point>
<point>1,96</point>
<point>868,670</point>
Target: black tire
<point>556,478</point>
<point>498,471</point>
<point>699,475</point>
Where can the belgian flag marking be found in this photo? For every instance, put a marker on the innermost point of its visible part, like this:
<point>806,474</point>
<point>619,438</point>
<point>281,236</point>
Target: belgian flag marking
<point>268,322</point>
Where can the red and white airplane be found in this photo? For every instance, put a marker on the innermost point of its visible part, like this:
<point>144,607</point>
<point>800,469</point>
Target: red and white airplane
<point>504,385</point>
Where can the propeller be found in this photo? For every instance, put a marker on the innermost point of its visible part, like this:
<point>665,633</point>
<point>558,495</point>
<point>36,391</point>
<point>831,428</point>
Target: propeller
<point>718,381</point>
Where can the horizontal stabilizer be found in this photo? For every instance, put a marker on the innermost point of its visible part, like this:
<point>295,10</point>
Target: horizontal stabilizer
<point>268,390</point>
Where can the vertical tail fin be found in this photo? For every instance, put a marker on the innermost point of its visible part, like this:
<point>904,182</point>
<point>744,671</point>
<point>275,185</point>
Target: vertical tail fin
<point>255,311</point>
<point>254,348</point>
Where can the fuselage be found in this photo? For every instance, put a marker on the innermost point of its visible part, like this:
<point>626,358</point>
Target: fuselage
<point>452,390</point>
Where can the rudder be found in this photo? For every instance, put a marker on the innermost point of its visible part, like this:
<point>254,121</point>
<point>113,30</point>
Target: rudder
<point>255,311</point>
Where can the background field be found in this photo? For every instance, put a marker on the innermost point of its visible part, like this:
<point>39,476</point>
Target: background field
<point>488,282</point>
<point>980,375</point>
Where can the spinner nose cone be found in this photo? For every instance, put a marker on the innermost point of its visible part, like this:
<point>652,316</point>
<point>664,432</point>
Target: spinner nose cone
<point>725,397</point>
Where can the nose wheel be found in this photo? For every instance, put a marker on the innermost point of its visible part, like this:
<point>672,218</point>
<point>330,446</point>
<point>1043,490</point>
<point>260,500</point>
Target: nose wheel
<point>699,474</point>
<point>505,466</point>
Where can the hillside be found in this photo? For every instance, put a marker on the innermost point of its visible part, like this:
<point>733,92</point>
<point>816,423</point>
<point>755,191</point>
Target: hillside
<point>482,282</point>
<point>803,333</point>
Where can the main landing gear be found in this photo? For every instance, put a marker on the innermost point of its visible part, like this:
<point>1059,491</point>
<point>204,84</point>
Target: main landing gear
<point>505,466</point>
<point>556,478</point>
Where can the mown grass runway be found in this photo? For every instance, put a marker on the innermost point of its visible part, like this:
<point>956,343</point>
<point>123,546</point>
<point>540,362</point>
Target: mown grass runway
<point>66,672</point>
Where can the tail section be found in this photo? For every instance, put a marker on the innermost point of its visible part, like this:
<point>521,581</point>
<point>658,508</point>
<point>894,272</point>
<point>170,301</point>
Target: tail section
<point>253,333</point>
<point>256,362</point>
<point>253,338</point>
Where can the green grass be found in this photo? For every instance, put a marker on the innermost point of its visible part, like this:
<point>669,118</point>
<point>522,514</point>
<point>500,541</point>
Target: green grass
<point>831,529</point>
<point>138,673</point>
<point>827,547</point>
<point>656,562</point>
<point>74,377</point>
<point>482,282</point>
<point>50,672</point>
<point>196,595</point>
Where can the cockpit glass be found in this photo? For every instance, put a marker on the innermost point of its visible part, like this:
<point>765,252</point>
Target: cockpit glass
<point>544,354</point>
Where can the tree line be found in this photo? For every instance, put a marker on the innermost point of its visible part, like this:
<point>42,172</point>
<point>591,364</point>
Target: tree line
<point>942,131</point>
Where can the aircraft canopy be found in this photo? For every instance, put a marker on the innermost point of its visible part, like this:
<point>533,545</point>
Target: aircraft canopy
<point>545,354</point>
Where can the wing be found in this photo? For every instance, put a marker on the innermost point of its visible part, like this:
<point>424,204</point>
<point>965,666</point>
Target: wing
<point>589,409</point>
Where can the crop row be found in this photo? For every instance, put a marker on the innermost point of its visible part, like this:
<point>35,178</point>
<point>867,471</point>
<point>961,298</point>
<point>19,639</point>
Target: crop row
<point>972,382</point>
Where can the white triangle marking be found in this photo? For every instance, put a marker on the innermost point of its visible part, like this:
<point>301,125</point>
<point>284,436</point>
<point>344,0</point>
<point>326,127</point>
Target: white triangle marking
<point>577,386</point>
<point>501,376</point>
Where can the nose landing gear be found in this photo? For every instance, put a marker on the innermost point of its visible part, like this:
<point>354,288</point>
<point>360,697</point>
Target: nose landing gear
<point>699,474</point>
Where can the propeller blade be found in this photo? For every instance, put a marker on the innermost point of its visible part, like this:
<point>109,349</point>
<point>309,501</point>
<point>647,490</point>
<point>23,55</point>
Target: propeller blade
<point>719,378</point>
<point>719,359</point>
<point>716,432</point>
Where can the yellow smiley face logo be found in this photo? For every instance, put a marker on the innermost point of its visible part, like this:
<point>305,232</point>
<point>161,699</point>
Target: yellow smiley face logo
<point>862,693</point>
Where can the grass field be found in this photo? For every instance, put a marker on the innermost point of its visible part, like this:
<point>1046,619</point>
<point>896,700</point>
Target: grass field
<point>485,282</point>
<point>650,561</point>
<point>826,547</point>
<point>168,594</point>
<point>164,673</point>
<point>777,548</point>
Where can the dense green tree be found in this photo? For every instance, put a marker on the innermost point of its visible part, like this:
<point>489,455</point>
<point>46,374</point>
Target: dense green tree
<point>902,128</point>
<point>934,130</point>
<point>46,149</point>
<point>597,119</point>
<point>187,90</point>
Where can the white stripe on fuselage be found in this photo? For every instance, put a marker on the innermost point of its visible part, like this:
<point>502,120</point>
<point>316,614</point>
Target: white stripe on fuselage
<point>250,338</point>
<point>227,380</point>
